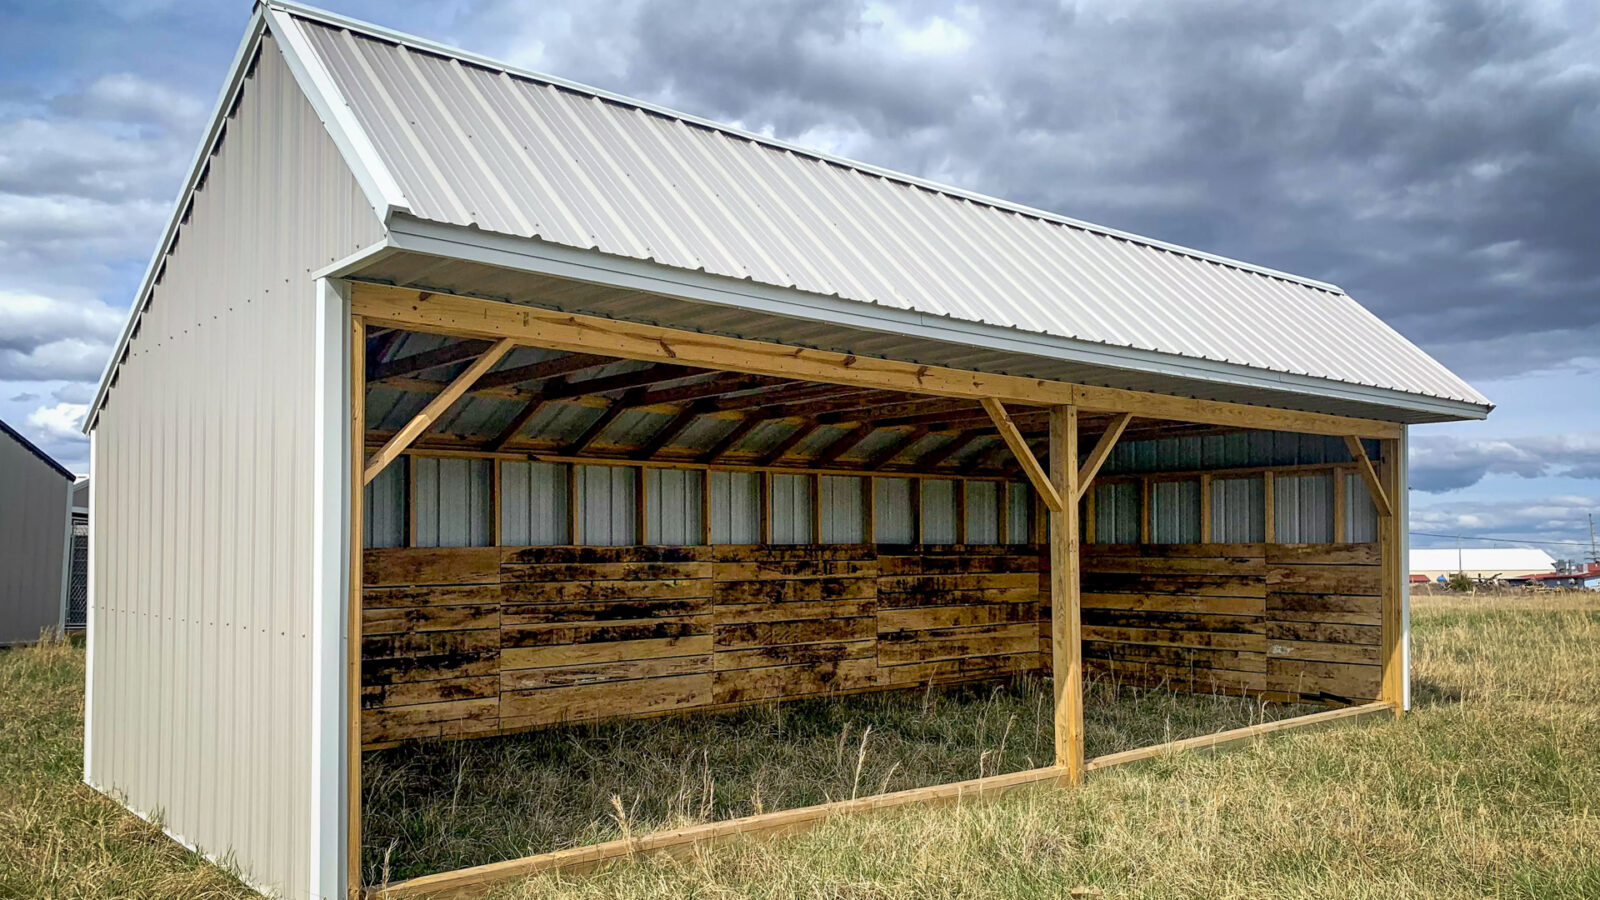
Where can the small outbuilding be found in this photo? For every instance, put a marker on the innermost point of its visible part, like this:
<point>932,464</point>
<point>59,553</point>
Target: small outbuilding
<point>460,400</point>
<point>35,492</point>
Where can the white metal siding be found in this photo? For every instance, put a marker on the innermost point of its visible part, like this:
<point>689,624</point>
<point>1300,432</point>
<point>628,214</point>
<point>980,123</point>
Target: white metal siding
<point>203,529</point>
<point>33,530</point>
<point>672,506</point>
<point>735,508</point>
<point>843,517</point>
<point>533,504</point>
<point>383,519</point>
<point>792,509</point>
<point>606,505</point>
<point>891,504</point>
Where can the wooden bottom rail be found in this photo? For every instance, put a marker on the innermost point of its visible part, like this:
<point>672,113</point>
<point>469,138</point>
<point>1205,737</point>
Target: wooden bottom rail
<point>477,880</point>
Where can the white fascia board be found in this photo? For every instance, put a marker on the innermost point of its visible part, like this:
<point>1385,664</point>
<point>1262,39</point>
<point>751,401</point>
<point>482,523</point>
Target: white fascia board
<point>377,182</point>
<point>336,20</point>
<point>330,567</point>
<point>219,115</point>
<point>531,255</point>
<point>1403,535</point>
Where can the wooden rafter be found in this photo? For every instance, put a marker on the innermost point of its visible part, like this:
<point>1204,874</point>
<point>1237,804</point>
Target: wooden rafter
<point>732,438</point>
<point>471,317</point>
<point>438,357</point>
<point>954,446</point>
<point>716,386</point>
<point>888,454</point>
<point>1101,452</point>
<point>1380,498</point>
<point>842,445</point>
<point>799,434</point>
<point>422,421</point>
<point>617,408</point>
<point>1036,474</point>
<point>522,418</point>
<point>667,432</point>
<point>569,364</point>
<point>775,398</point>
<point>835,406</point>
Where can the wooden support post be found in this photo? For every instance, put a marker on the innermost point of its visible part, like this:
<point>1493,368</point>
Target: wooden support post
<point>764,485</point>
<point>916,510</point>
<point>961,511</point>
<point>641,508</point>
<point>435,408</point>
<point>1270,512</point>
<point>1205,509</point>
<point>1380,497</point>
<point>358,450</point>
<point>1066,631</point>
<point>572,504</point>
<point>814,485</point>
<point>705,508</point>
<point>1146,511</point>
<point>1019,449</point>
<point>1392,683</point>
<point>1102,451</point>
<point>1340,501</point>
<point>869,510</point>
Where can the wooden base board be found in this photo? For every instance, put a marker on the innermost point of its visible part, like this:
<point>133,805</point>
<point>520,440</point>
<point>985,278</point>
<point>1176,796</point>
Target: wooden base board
<point>475,881</point>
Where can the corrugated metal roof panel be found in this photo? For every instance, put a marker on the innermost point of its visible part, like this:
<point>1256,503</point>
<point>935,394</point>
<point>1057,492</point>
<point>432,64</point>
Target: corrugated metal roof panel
<point>476,145</point>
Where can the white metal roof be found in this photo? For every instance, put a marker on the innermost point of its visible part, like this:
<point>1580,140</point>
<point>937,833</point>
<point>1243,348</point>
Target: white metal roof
<point>474,143</point>
<point>1504,560</point>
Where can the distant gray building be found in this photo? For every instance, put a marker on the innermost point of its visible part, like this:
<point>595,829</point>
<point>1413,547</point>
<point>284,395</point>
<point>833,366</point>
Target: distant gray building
<point>35,496</point>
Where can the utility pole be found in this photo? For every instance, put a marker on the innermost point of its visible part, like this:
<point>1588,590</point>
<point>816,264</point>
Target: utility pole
<point>1593,556</point>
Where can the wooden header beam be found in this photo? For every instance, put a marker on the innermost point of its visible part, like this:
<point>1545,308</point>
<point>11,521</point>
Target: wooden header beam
<point>469,317</point>
<point>1019,448</point>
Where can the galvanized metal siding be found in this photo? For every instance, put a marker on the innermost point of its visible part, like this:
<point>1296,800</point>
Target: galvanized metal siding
<point>891,504</point>
<point>1175,512</point>
<point>1019,506</point>
<point>792,509</point>
<point>1238,510</point>
<point>735,508</point>
<point>384,501</point>
<point>1116,513</point>
<point>1303,508</point>
<point>983,512</point>
<point>672,506</point>
<point>606,505</point>
<point>938,511</point>
<point>843,516</point>
<point>533,504</point>
<point>454,505</point>
<point>33,532</point>
<point>201,694</point>
<point>1360,516</point>
<point>476,146</point>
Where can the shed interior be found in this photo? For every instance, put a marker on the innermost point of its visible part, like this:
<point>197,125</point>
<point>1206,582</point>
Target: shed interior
<point>581,537</point>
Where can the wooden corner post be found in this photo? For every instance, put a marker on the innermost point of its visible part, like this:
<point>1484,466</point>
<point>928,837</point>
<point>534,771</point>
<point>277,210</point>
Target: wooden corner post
<point>1392,689</point>
<point>358,458</point>
<point>1066,630</point>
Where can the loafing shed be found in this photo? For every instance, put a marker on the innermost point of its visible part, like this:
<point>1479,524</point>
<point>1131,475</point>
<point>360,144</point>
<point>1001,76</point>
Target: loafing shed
<point>460,400</point>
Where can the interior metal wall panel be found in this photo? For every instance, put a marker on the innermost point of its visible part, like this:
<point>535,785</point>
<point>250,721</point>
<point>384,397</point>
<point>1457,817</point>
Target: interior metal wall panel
<point>1234,450</point>
<point>383,520</point>
<point>1019,512</point>
<point>203,523</point>
<point>566,167</point>
<point>606,505</point>
<point>533,504</point>
<point>735,508</point>
<point>792,509</point>
<point>1303,508</point>
<point>938,511</point>
<point>1238,510</point>
<point>1116,513</point>
<point>34,500</point>
<point>983,512</point>
<point>840,505</point>
<point>1360,516</point>
<point>1175,512</point>
<point>891,506</point>
<point>672,506</point>
<point>454,506</point>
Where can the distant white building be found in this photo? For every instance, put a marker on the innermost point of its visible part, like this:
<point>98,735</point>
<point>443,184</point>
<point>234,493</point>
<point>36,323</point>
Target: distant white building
<point>1497,562</point>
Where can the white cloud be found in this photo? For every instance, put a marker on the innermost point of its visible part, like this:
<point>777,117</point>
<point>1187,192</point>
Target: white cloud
<point>62,422</point>
<point>48,339</point>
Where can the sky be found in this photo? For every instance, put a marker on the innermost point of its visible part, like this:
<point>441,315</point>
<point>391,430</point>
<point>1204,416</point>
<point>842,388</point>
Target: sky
<point>1438,159</point>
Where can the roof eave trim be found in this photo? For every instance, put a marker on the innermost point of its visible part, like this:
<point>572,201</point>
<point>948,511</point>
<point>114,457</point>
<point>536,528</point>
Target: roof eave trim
<point>219,114</point>
<point>380,32</point>
<point>532,255</point>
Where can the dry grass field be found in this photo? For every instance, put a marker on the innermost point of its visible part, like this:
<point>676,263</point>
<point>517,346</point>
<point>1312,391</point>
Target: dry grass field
<point>1489,788</point>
